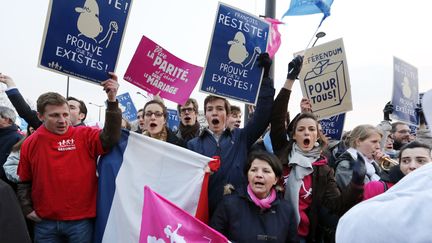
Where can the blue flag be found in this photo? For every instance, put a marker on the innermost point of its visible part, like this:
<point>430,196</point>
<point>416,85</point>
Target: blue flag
<point>305,7</point>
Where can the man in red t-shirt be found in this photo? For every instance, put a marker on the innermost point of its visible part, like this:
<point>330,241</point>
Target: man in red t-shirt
<point>58,168</point>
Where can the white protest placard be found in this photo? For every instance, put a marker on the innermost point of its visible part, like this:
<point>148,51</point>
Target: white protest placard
<point>325,80</point>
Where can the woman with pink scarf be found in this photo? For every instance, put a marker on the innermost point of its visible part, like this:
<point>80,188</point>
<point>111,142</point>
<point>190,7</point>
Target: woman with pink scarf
<point>257,212</point>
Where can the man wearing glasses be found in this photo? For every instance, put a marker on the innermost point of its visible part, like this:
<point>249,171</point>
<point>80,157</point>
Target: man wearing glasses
<point>189,126</point>
<point>401,134</point>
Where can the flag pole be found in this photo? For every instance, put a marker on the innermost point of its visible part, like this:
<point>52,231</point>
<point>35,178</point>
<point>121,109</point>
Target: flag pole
<point>270,11</point>
<point>313,36</point>
<point>67,87</point>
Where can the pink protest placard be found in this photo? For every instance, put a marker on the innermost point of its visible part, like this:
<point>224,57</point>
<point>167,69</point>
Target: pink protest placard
<point>163,221</point>
<point>157,71</point>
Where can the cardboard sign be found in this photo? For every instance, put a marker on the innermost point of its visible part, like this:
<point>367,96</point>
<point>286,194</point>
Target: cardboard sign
<point>231,68</point>
<point>325,79</point>
<point>129,112</point>
<point>82,38</point>
<point>157,71</point>
<point>405,92</point>
<point>333,127</point>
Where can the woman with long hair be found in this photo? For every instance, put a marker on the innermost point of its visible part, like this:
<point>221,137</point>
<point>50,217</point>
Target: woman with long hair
<point>308,181</point>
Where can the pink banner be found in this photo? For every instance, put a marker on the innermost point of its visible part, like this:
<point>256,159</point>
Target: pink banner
<point>162,221</point>
<point>157,71</point>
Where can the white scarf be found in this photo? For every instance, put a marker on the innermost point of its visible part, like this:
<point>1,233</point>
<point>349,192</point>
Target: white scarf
<point>371,173</point>
<point>301,166</point>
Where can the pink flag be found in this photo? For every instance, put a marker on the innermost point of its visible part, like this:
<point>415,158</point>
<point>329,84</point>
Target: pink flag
<point>157,71</point>
<point>275,40</point>
<point>162,221</point>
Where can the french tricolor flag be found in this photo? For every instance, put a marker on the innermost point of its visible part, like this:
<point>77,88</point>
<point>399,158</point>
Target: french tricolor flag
<point>136,161</point>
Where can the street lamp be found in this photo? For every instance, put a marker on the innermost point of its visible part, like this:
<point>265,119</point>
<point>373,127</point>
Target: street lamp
<point>99,106</point>
<point>141,94</point>
<point>318,35</point>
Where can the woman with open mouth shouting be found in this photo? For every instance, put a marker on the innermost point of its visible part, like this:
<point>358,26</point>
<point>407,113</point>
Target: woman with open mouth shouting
<point>309,182</point>
<point>155,123</point>
<point>256,212</point>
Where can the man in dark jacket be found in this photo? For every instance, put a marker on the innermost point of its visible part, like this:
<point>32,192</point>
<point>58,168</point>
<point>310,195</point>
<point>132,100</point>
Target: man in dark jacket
<point>9,136</point>
<point>12,225</point>
<point>189,127</point>
<point>232,146</point>
<point>78,111</point>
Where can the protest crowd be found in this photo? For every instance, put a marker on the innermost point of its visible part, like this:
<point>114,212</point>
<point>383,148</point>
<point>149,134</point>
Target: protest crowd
<point>276,178</point>
<point>283,190</point>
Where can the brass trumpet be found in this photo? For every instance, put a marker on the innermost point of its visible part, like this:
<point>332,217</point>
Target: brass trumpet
<point>386,163</point>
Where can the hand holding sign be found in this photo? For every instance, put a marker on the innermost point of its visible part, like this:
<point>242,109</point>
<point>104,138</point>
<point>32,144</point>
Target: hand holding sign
<point>7,80</point>
<point>305,105</point>
<point>111,86</point>
<point>265,62</point>
<point>294,67</point>
<point>388,109</point>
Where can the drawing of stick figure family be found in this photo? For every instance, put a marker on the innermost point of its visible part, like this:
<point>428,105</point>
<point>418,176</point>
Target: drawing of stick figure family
<point>238,52</point>
<point>89,25</point>
<point>172,235</point>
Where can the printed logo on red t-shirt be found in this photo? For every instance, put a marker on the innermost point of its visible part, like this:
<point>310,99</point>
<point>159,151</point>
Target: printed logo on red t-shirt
<point>65,145</point>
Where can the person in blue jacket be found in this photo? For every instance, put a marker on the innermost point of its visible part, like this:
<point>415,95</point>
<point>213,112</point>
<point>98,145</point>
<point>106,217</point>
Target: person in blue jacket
<point>232,146</point>
<point>257,212</point>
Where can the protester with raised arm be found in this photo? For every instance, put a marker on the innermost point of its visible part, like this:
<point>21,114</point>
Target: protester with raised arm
<point>308,181</point>
<point>232,146</point>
